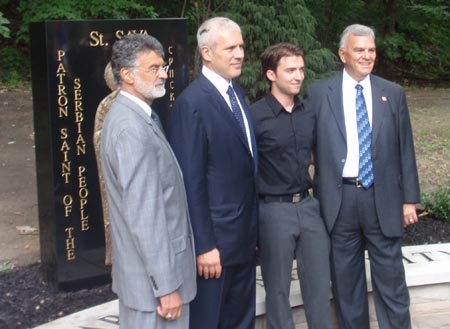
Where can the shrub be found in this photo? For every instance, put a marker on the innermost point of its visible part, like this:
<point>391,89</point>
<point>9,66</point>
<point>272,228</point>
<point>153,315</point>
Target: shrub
<point>437,203</point>
<point>14,67</point>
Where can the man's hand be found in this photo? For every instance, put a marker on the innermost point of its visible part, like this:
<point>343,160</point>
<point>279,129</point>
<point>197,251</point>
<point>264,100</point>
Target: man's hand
<point>208,264</point>
<point>170,308</point>
<point>409,214</point>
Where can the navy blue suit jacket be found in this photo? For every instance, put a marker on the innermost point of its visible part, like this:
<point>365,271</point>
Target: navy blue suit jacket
<point>219,171</point>
<point>396,179</point>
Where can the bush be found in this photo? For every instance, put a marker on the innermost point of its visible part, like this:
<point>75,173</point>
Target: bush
<point>14,67</point>
<point>437,203</point>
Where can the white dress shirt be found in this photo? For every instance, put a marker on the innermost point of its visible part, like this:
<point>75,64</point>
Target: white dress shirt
<point>143,105</point>
<point>222,86</point>
<point>351,167</point>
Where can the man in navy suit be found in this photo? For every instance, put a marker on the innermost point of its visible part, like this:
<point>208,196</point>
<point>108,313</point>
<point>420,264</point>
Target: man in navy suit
<point>364,209</point>
<point>211,134</point>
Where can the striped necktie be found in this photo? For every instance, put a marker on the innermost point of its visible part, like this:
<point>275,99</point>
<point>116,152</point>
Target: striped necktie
<point>236,109</point>
<point>365,175</point>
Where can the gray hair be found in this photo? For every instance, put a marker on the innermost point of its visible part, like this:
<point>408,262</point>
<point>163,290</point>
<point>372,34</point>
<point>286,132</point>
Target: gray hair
<point>126,50</point>
<point>355,29</point>
<point>210,29</point>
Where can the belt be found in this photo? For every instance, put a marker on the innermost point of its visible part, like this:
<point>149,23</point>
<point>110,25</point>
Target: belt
<point>293,198</point>
<point>351,181</point>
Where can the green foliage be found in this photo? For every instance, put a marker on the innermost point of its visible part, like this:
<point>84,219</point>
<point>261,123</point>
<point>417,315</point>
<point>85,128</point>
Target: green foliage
<point>413,37</point>
<point>267,22</point>
<point>79,9</point>
<point>6,266</point>
<point>421,42</point>
<point>4,31</point>
<point>14,67</point>
<point>437,203</point>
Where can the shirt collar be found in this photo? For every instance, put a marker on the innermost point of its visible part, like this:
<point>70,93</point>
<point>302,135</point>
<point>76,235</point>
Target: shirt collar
<point>219,82</point>
<point>348,81</point>
<point>277,107</point>
<point>143,105</point>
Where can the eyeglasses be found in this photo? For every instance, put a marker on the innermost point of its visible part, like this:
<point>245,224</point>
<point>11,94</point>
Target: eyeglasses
<point>155,69</point>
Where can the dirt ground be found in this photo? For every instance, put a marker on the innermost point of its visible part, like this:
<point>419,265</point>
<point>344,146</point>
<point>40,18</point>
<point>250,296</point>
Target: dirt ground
<point>19,239</point>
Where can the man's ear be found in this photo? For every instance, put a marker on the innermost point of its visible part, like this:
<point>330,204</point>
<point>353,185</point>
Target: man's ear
<point>127,75</point>
<point>206,53</point>
<point>341,53</point>
<point>271,75</point>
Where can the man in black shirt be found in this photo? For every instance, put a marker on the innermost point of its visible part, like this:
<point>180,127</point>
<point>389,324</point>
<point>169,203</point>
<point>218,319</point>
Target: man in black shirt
<point>290,225</point>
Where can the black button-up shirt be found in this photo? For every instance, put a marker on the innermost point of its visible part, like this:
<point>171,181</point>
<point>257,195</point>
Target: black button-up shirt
<point>284,143</point>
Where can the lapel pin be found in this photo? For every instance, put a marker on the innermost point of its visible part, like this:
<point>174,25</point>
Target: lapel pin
<point>384,98</point>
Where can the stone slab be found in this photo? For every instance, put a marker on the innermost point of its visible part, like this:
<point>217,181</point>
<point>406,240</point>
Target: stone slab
<point>427,274</point>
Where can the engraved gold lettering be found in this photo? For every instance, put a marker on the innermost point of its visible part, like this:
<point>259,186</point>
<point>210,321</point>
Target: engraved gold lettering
<point>84,225</point>
<point>65,146</point>
<point>96,39</point>
<point>64,134</point>
<point>61,90</point>
<point>82,181</point>
<point>120,33</point>
<point>78,105</point>
<point>62,100</point>
<point>60,54</point>
<point>65,167</point>
<point>67,202</point>
<point>61,68</point>
<point>70,243</point>
<point>83,194</point>
<point>78,116</point>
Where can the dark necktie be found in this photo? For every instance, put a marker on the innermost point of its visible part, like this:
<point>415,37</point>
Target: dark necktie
<point>156,120</point>
<point>365,140</point>
<point>236,109</point>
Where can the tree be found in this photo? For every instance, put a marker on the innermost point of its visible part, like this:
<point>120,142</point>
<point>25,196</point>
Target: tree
<point>79,9</point>
<point>413,37</point>
<point>267,22</point>
<point>4,31</point>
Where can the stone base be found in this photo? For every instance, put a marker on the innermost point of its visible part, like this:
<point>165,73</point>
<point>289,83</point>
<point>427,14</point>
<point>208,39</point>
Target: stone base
<point>427,275</point>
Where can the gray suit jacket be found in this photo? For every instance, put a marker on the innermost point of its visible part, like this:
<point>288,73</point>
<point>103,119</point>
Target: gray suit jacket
<point>152,243</point>
<point>395,170</point>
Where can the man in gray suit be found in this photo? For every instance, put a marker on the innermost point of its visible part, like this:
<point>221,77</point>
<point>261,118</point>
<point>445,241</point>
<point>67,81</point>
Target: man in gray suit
<point>153,263</point>
<point>366,181</point>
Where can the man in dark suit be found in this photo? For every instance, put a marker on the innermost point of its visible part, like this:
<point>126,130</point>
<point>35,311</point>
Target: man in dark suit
<point>153,261</point>
<point>211,134</point>
<point>366,181</point>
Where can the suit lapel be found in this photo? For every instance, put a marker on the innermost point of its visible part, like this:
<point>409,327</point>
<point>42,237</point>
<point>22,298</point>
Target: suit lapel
<point>336,103</point>
<point>135,108</point>
<point>380,106</point>
<point>223,108</point>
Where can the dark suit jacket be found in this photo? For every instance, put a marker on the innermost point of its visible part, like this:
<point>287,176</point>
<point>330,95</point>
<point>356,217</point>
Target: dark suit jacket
<point>395,171</point>
<point>219,171</point>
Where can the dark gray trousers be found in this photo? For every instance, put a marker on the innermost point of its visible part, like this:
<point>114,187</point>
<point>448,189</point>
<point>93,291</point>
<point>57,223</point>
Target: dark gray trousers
<point>291,231</point>
<point>357,228</point>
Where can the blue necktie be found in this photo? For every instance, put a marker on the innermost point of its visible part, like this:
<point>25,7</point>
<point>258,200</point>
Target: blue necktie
<point>365,175</point>
<point>236,109</point>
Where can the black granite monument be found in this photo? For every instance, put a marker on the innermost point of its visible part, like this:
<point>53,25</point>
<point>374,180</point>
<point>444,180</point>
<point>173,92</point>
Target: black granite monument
<point>68,62</point>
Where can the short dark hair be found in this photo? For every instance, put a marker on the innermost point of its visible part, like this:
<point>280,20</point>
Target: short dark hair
<point>271,57</point>
<point>126,50</point>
